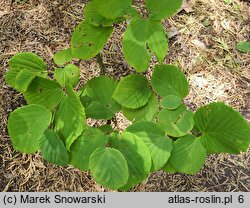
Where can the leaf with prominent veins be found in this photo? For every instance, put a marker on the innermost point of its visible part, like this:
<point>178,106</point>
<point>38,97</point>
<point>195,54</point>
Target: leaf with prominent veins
<point>24,67</point>
<point>70,120</point>
<point>53,149</point>
<point>109,167</point>
<point>188,155</point>
<point>223,129</point>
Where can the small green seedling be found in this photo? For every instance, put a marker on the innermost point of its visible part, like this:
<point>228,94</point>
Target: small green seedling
<point>243,47</point>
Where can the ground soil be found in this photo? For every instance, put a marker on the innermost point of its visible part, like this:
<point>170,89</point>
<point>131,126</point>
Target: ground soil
<point>202,43</point>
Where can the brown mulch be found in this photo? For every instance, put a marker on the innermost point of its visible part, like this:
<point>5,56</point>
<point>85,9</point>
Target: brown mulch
<point>202,43</point>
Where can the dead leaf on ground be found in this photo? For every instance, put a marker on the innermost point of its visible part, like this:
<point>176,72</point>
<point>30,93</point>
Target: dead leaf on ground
<point>187,6</point>
<point>199,44</point>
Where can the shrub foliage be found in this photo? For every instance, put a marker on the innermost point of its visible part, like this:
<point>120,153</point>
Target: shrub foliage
<point>164,133</point>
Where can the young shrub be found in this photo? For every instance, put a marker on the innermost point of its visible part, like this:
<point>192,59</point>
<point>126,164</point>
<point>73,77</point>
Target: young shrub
<point>142,36</point>
<point>164,133</point>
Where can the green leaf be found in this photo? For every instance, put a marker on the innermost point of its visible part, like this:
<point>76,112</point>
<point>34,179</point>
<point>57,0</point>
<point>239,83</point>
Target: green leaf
<point>53,149</point>
<point>153,33</point>
<point>133,91</point>
<point>168,168</point>
<point>84,146</point>
<point>177,122</point>
<point>70,118</point>
<point>111,9</point>
<point>159,145</point>
<point>27,61</point>
<point>93,17</point>
<point>63,56</point>
<point>26,125</point>
<point>113,139</point>
<point>131,13</point>
<point>223,129</point>
<point>23,80</point>
<point>109,167</point>
<point>140,29</point>
<point>157,41</point>
<point>107,129</point>
<point>140,34</point>
<point>97,98</point>
<point>169,80</point>
<point>147,112</point>
<point>97,110</point>
<point>68,75</point>
<point>162,9</point>
<point>188,155</point>
<point>87,40</point>
<point>243,47</point>
<point>135,51</point>
<point>44,92</point>
<point>171,102</point>
<point>137,156</point>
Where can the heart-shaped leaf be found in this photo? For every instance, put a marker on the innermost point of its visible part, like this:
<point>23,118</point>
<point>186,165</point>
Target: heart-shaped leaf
<point>157,41</point>
<point>139,35</point>
<point>135,51</point>
<point>171,102</point>
<point>223,129</point>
